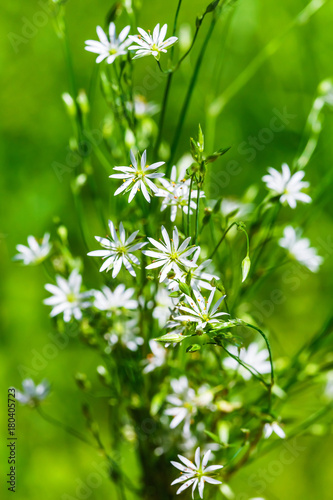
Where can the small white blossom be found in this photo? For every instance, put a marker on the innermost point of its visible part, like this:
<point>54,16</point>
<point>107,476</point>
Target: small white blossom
<point>157,358</point>
<point>137,177</point>
<point>142,108</point>
<point>164,306</point>
<point>273,427</point>
<point>252,356</point>
<point>35,252</point>
<point>176,193</point>
<point>194,474</point>
<point>170,256</point>
<point>32,394</point>
<point>118,251</point>
<point>148,44</point>
<point>109,48</point>
<point>288,186</point>
<point>67,298</point>
<point>183,404</point>
<point>199,278</point>
<point>125,334</point>
<point>114,301</point>
<point>201,310</point>
<point>300,248</point>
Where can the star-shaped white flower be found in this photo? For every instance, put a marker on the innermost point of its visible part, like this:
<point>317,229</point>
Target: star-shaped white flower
<point>67,298</point>
<point>198,276</point>
<point>32,394</point>
<point>175,194</point>
<point>148,44</point>
<point>114,301</point>
<point>137,177</point>
<point>273,427</point>
<point>157,358</point>
<point>183,404</point>
<point>252,356</point>
<point>201,310</point>
<point>195,474</point>
<point>118,251</point>
<point>109,48</point>
<point>300,248</point>
<point>170,255</point>
<point>288,186</point>
<point>35,252</point>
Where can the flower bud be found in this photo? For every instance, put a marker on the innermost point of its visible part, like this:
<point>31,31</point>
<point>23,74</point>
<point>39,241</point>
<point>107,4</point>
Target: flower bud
<point>69,104</point>
<point>246,264</point>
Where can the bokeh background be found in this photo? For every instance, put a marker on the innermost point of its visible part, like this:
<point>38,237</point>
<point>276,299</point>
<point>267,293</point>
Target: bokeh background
<point>34,134</point>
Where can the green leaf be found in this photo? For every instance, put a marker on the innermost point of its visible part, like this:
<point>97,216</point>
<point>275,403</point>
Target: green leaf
<point>216,155</point>
<point>212,6</point>
<point>170,337</point>
<point>214,437</point>
<point>193,348</point>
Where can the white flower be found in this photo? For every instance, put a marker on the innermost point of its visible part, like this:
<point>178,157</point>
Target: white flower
<point>170,256</point>
<point>32,394</point>
<point>34,253</point>
<point>113,301</point>
<point>67,298</point>
<point>300,248</point>
<point>118,251</point>
<point>175,194</point>
<point>199,278</point>
<point>252,356</point>
<point>142,108</point>
<point>273,427</point>
<point>124,333</point>
<point>109,48</point>
<point>148,44</point>
<point>164,306</point>
<point>287,185</point>
<point>137,177</point>
<point>200,310</point>
<point>183,404</point>
<point>195,474</point>
<point>157,358</point>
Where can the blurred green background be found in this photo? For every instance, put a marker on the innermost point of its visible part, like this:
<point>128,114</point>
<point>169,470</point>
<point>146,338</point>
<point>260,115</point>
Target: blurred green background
<point>34,134</point>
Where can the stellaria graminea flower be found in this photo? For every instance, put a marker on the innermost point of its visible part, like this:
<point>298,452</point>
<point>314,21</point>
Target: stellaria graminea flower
<point>183,404</point>
<point>300,248</point>
<point>287,185</point>
<point>164,306</point>
<point>194,474</point>
<point>252,356</point>
<point>148,44</point>
<point>156,358</point>
<point>118,251</point>
<point>114,301</point>
<point>175,194</point>
<point>35,252</point>
<point>67,298</point>
<point>201,310</point>
<point>109,48</point>
<point>273,427</point>
<point>32,394</point>
<point>170,256</point>
<point>198,277</point>
<point>137,177</point>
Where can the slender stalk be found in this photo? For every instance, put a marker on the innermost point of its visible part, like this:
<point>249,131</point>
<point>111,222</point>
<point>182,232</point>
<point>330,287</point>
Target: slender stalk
<point>189,95</point>
<point>197,216</point>
<point>222,239</point>
<point>189,207</point>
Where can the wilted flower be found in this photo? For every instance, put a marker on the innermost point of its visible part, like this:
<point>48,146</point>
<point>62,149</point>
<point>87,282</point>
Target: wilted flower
<point>67,298</point>
<point>148,44</point>
<point>252,356</point>
<point>35,252</point>
<point>170,256</point>
<point>300,248</point>
<point>111,48</point>
<point>194,474</point>
<point>200,310</point>
<point>118,251</point>
<point>287,185</point>
<point>137,177</point>
<point>32,394</point>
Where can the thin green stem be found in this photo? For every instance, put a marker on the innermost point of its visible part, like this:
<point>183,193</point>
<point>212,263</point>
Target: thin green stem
<point>63,426</point>
<point>197,215</point>
<point>222,239</point>
<point>189,207</point>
